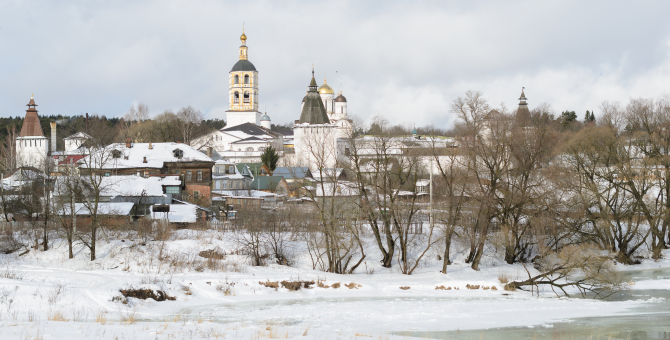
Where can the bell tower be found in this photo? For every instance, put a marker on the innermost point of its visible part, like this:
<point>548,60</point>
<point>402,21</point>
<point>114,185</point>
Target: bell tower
<point>243,89</point>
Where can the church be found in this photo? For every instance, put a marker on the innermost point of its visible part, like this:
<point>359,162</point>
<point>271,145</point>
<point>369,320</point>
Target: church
<point>323,122</point>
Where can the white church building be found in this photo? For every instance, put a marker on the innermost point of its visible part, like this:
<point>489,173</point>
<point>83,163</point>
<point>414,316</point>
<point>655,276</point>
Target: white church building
<point>247,132</point>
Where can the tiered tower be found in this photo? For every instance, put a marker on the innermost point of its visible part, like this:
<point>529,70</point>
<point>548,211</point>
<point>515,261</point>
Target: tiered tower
<point>243,90</point>
<point>31,145</point>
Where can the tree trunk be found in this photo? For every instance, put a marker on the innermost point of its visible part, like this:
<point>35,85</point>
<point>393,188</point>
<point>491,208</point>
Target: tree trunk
<point>447,246</point>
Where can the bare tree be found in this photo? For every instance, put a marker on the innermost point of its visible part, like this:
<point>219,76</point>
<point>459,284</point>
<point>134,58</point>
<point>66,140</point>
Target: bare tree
<point>188,120</point>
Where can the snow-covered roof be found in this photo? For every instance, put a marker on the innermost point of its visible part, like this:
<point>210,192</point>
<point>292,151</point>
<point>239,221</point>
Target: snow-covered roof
<point>78,135</point>
<point>135,185</point>
<point>422,182</point>
<point>179,213</point>
<point>155,157</point>
<point>336,189</point>
<point>243,193</point>
<point>327,174</point>
<point>117,209</point>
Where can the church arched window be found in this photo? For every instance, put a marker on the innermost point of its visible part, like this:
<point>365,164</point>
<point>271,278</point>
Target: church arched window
<point>246,79</point>
<point>237,79</point>
<point>236,97</point>
<point>246,96</point>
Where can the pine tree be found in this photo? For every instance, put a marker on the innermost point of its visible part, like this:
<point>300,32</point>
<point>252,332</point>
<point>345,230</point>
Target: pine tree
<point>270,158</point>
<point>587,117</point>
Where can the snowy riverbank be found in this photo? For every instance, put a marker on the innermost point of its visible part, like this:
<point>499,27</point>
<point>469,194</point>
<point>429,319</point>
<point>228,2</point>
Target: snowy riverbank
<point>45,295</point>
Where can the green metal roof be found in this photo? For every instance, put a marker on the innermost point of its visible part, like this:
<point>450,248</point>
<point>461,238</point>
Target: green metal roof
<point>266,183</point>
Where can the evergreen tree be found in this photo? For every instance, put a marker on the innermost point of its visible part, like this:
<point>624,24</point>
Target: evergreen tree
<point>587,117</point>
<point>593,117</point>
<point>270,158</point>
<point>567,117</point>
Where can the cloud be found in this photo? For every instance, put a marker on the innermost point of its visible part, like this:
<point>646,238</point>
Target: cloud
<point>405,60</point>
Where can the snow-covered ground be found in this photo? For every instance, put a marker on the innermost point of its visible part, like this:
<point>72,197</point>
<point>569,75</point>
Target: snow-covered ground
<point>45,295</point>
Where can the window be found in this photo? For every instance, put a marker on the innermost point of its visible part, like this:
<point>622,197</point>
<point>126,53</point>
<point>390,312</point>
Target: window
<point>237,79</point>
<point>172,190</point>
<point>106,174</point>
<point>177,172</point>
<point>178,153</point>
<point>261,148</point>
<point>246,79</point>
<point>138,173</point>
<point>116,154</point>
<point>188,175</point>
<point>196,195</point>
<point>250,149</point>
<point>217,185</point>
<point>237,184</point>
<point>199,175</point>
<point>231,169</point>
<point>230,185</point>
<point>246,96</point>
<point>146,173</point>
<point>236,97</point>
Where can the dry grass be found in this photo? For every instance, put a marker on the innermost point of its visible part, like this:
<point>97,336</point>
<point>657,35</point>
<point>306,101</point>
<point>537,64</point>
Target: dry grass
<point>56,316</point>
<point>469,286</point>
<point>101,317</point>
<point>504,278</point>
<point>336,285</point>
<point>354,285</point>
<point>442,288</point>
<point>405,287</point>
<point>227,288</point>
<point>12,274</point>
<point>187,290</point>
<point>129,318</point>
<point>55,293</point>
<point>269,284</point>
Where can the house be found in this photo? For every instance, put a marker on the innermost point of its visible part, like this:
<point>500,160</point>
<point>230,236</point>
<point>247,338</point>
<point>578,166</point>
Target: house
<point>108,213</point>
<point>330,175</point>
<point>155,159</point>
<point>181,214</point>
<point>241,143</point>
<point>292,174</point>
<point>275,184</point>
<point>297,178</point>
<point>255,169</point>
<point>227,176</point>
<point>143,192</point>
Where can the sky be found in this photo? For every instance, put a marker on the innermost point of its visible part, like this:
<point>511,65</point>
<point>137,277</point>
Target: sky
<point>403,60</point>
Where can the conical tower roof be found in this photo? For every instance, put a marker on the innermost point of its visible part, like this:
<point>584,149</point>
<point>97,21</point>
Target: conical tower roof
<point>31,123</point>
<point>313,111</point>
<point>522,113</point>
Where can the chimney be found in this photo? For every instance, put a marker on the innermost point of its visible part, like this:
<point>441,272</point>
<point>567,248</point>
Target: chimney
<point>150,146</point>
<point>128,143</point>
<point>144,160</point>
<point>53,137</point>
<point>209,151</point>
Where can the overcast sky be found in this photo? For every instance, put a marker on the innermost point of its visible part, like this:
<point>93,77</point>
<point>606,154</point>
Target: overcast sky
<point>404,60</point>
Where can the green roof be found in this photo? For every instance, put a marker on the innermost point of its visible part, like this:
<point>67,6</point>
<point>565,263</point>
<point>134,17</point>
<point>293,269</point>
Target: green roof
<point>266,183</point>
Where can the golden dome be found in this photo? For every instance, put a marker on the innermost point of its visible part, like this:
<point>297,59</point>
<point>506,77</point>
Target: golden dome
<point>325,89</point>
<point>243,37</point>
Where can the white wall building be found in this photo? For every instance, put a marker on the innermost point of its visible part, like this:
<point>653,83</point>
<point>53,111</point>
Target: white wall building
<point>318,130</point>
<point>31,145</point>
